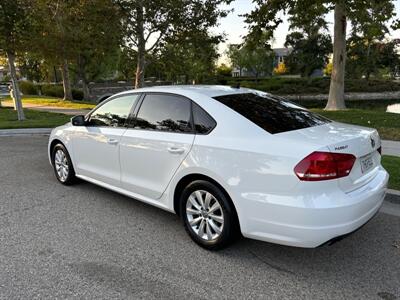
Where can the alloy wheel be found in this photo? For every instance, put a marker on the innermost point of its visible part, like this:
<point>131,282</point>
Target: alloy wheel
<point>205,215</point>
<point>61,164</point>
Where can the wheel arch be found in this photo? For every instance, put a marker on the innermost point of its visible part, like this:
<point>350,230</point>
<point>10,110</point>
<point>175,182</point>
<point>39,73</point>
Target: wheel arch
<point>53,143</point>
<point>185,180</point>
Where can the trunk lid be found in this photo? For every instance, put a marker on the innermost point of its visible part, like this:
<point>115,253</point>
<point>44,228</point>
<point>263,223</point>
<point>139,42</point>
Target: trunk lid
<point>336,137</point>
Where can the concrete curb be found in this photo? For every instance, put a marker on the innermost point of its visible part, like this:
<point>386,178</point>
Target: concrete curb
<point>25,131</point>
<point>393,192</point>
<point>392,198</point>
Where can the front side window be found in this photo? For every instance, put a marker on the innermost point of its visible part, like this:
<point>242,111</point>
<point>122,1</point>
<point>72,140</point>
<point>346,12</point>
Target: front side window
<point>164,113</point>
<point>274,115</point>
<point>113,113</point>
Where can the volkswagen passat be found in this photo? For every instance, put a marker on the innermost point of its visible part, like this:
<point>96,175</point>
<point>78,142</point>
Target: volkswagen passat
<point>228,161</point>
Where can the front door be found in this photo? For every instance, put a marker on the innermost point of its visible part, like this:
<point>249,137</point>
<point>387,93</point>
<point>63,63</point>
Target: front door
<point>153,149</point>
<point>96,145</point>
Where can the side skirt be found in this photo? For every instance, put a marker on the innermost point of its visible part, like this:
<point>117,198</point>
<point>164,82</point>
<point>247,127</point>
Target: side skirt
<point>126,193</point>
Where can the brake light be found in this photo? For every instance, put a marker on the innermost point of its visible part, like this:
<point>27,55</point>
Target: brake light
<point>380,150</point>
<point>324,166</point>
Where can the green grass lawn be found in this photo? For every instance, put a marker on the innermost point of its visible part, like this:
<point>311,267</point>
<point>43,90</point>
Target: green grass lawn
<point>392,165</point>
<point>34,119</point>
<point>56,102</point>
<point>388,124</point>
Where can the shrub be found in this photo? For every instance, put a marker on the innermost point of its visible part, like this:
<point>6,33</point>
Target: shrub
<point>28,88</point>
<point>52,90</point>
<point>280,69</point>
<point>77,94</point>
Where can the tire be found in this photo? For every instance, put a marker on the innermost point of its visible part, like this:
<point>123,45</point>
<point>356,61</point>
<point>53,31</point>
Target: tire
<point>216,213</point>
<point>62,165</point>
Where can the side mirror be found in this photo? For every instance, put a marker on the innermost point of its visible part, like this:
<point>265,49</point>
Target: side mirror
<point>78,120</point>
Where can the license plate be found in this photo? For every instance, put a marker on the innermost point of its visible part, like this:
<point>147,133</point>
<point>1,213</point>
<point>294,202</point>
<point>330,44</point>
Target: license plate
<point>367,163</point>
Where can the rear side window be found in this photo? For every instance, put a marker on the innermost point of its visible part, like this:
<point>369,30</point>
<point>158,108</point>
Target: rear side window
<point>274,115</point>
<point>164,113</point>
<point>203,122</point>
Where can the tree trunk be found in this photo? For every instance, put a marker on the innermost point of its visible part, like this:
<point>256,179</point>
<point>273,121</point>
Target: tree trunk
<point>66,81</point>
<point>336,91</point>
<point>82,77</point>
<point>139,81</point>
<point>16,92</point>
<point>85,89</point>
<point>368,64</point>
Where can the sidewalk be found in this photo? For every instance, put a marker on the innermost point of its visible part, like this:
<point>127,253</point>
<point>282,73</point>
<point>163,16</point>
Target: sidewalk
<point>391,148</point>
<point>53,109</point>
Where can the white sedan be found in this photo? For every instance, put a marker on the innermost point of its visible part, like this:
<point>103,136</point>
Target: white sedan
<point>228,161</point>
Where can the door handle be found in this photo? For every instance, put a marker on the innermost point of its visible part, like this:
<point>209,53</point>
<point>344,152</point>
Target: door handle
<point>112,141</point>
<point>175,150</point>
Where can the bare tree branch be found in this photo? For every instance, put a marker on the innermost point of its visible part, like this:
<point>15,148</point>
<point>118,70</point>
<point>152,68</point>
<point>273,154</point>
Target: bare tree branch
<point>156,42</point>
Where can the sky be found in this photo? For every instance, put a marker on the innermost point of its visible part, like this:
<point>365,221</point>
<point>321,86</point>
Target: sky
<point>234,26</point>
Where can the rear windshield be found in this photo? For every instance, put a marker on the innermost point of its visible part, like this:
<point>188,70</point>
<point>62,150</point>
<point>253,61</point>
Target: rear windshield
<point>273,114</point>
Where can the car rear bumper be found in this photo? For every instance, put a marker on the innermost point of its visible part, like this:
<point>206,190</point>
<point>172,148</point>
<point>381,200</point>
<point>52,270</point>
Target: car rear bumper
<point>312,220</point>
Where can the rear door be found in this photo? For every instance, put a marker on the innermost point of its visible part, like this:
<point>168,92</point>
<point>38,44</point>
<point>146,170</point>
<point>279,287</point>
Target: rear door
<point>156,144</point>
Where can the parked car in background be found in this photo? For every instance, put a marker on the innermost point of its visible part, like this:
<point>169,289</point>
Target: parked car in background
<point>4,91</point>
<point>228,161</point>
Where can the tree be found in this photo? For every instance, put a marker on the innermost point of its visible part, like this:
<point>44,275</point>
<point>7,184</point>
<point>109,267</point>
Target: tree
<point>328,69</point>
<point>126,59</point>
<point>96,41</point>
<point>148,23</point>
<point>367,41</point>
<point>224,70</point>
<point>390,56</point>
<point>265,18</point>
<point>371,58</point>
<point>309,42</point>
<point>236,56</point>
<point>259,60</point>
<point>14,28</point>
<point>255,58</point>
<point>189,56</point>
<point>31,67</point>
<point>56,35</point>
<point>309,52</point>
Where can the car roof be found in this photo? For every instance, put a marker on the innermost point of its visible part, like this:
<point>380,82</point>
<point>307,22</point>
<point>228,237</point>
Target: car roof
<point>186,90</point>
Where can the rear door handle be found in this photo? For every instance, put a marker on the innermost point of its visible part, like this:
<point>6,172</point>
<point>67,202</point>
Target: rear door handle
<point>175,150</point>
<point>112,141</point>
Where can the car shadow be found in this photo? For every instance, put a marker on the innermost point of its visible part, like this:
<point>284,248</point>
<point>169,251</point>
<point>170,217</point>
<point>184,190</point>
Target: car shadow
<point>369,258</point>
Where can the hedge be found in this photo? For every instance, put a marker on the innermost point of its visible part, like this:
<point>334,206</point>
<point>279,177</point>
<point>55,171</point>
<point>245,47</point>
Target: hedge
<point>287,86</point>
<point>51,90</point>
<point>28,88</point>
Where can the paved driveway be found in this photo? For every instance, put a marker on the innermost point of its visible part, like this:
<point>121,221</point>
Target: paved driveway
<point>87,242</point>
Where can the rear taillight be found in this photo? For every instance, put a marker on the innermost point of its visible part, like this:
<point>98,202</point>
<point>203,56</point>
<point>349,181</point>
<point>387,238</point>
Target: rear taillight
<point>324,165</point>
<point>380,150</point>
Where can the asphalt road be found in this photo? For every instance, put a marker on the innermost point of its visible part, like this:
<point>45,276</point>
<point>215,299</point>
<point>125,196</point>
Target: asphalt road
<point>86,242</point>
